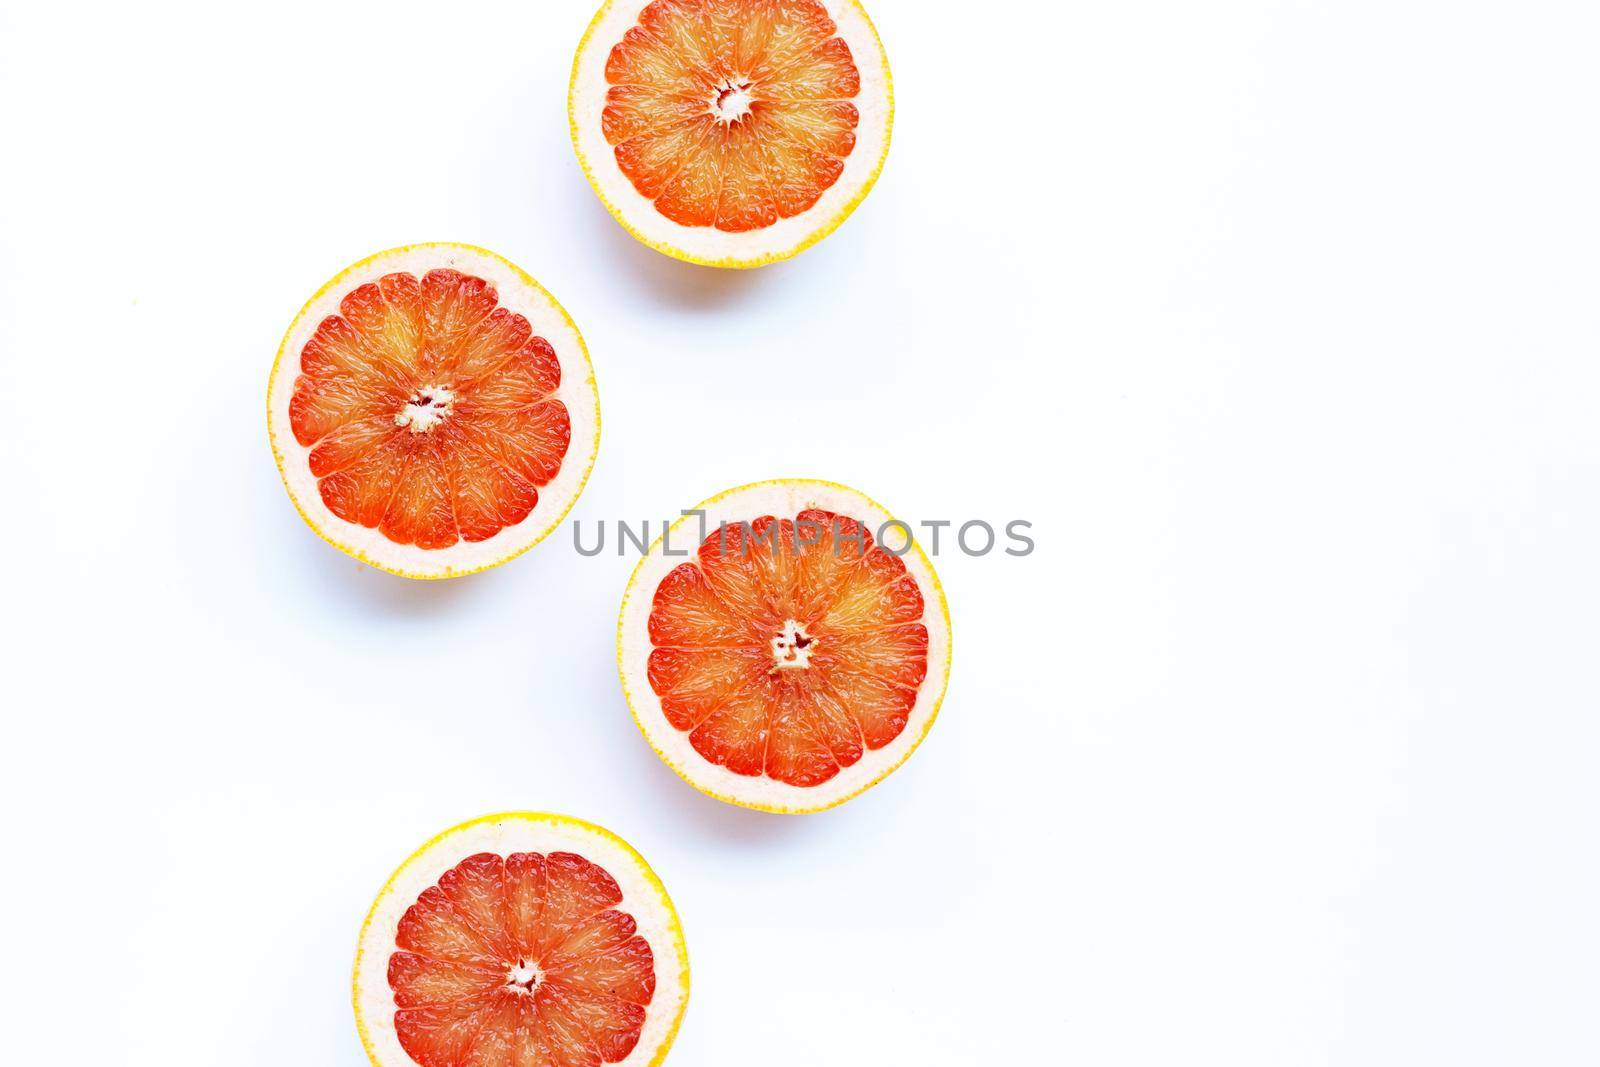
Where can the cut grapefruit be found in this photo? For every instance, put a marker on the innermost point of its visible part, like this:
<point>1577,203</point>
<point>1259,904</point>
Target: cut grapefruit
<point>731,133</point>
<point>785,646</point>
<point>521,940</point>
<point>433,411</point>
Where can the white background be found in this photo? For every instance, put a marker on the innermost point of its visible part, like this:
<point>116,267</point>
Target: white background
<point>1278,320</point>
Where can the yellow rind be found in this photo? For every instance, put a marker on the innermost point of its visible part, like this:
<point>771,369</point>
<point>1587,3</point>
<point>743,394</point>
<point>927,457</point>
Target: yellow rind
<point>780,809</point>
<point>731,262</point>
<point>674,927</point>
<point>277,454</point>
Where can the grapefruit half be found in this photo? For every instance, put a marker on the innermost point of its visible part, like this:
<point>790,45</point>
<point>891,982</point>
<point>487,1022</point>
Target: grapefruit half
<point>521,940</point>
<point>433,411</point>
<point>778,653</point>
<point>731,133</point>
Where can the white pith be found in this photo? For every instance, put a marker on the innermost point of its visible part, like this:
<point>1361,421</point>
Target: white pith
<point>732,101</point>
<point>705,243</point>
<point>576,391</point>
<point>524,976</point>
<point>784,499</point>
<point>642,898</point>
<point>430,406</point>
<point>792,648</point>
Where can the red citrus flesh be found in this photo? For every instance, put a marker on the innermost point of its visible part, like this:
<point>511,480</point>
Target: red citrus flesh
<point>430,410</point>
<point>520,961</point>
<point>789,647</point>
<point>732,113</point>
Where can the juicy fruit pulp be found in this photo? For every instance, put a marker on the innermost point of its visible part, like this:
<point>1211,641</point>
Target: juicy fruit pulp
<point>520,961</point>
<point>429,410</point>
<point>789,647</point>
<point>732,113</point>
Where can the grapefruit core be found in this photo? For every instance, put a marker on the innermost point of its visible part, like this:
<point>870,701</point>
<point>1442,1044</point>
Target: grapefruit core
<point>433,411</point>
<point>731,133</point>
<point>792,661</point>
<point>521,940</point>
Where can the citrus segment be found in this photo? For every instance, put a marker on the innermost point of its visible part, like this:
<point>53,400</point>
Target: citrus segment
<point>786,677</point>
<point>731,132</point>
<point>565,956</point>
<point>731,114</point>
<point>422,414</point>
<point>504,975</point>
<point>784,665</point>
<point>440,378</point>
